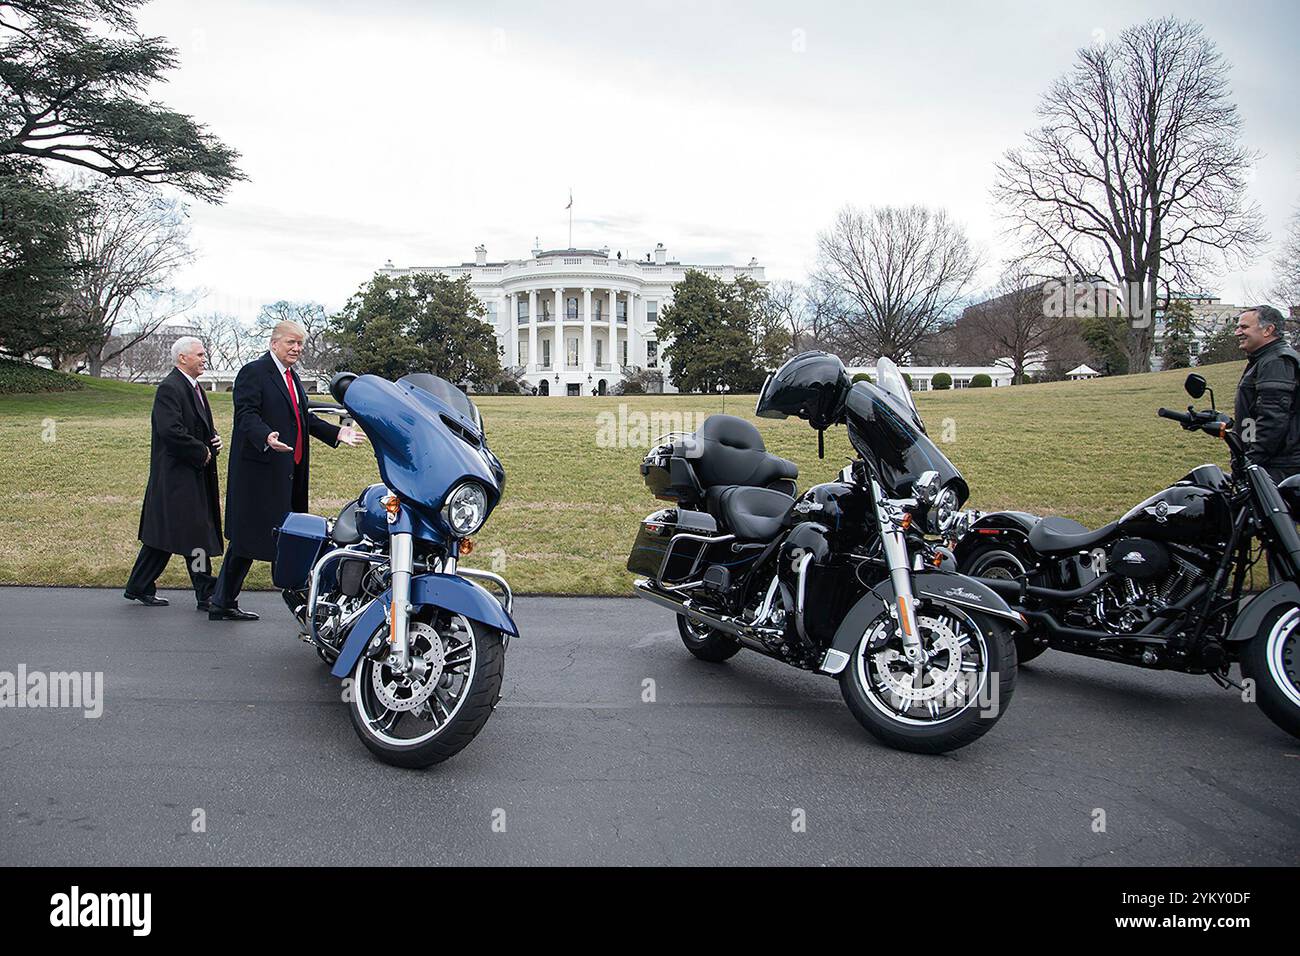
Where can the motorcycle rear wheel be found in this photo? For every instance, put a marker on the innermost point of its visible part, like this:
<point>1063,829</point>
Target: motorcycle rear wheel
<point>706,643</point>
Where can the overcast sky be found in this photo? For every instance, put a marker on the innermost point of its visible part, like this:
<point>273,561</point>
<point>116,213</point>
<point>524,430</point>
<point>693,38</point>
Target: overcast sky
<point>415,130</point>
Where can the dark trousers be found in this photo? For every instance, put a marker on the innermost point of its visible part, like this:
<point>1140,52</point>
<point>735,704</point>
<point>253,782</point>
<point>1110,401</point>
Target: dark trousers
<point>235,567</point>
<point>149,564</point>
<point>230,582</point>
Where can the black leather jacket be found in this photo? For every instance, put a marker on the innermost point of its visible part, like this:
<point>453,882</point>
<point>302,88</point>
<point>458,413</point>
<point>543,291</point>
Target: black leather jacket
<point>1267,400</point>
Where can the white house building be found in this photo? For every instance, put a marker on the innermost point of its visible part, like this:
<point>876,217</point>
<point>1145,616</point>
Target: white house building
<point>573,321</point>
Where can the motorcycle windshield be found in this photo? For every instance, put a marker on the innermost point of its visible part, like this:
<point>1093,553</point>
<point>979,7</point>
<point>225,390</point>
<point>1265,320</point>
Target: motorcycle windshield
<point>891,382</point>
<point>425,443</point>
<point>886,430</point>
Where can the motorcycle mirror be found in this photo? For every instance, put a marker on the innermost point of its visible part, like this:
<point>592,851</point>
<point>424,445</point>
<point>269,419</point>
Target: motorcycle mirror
<point>1195,385</point>
<point>821,443</point>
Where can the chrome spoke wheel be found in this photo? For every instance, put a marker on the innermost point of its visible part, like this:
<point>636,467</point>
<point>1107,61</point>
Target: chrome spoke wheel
<point>405,709</point>
<point>1281,655</point>
<point>949,678</point>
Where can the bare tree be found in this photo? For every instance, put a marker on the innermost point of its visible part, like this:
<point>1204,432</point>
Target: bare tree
<point>808,310</point>
<point>897,273</point>
<point>319,354</point>
<point>1136,172</point>
<point>1013,321</point>
<point>230,342</point>
<point>133,239</point>
<point>1286,278</point>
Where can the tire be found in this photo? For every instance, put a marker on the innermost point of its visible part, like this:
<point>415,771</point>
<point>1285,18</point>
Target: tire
<point>989,636</point>
<point>999,561</point>
<point>705,642</point>
<point>480,689</point>
<point>1272,661</point>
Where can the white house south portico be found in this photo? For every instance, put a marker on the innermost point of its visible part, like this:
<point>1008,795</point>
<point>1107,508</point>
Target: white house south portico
<point>578,321</point>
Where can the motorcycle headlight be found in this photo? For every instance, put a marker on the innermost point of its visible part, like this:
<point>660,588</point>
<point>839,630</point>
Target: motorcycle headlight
<point>942,510</point>
<point>465,509</point>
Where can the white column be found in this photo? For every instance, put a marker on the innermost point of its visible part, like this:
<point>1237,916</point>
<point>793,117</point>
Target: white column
<point>512,332</point>
<point>533,361</point>
<point>632,357</point>
<point>558,353</point>
<point>613,332</point>
<point>587,364</point>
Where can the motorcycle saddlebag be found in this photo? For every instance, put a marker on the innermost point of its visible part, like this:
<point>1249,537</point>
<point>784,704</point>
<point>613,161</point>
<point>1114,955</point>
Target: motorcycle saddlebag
<point>299,542</point>
<point>656,537</point>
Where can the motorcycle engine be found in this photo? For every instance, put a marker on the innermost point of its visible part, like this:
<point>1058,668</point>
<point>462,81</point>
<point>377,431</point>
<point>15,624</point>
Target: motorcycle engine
<point>1152,576</point>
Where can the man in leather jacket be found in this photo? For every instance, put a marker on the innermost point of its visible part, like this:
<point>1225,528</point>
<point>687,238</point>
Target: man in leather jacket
<point>1267,409</point>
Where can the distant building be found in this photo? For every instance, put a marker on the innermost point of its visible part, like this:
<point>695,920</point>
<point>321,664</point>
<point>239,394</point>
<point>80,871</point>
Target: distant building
<point>578,321</point>
<point>922,376</point>
<point>1082,372</point>
<point>1209,314</point>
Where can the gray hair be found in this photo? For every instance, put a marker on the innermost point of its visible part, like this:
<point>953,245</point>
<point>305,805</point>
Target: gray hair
<point>1267,316</point>
<point>286,327</point>
<point>184,346</point>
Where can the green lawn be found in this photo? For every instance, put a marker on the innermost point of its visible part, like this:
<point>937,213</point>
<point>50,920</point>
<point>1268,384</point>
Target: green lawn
<point>73,468</point>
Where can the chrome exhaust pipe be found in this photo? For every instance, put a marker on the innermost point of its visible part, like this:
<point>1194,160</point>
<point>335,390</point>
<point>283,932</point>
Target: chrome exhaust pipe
<point>745,633</point>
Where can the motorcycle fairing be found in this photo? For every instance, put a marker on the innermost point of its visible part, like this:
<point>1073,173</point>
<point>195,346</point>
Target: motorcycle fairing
<point>943,586</point>
<point>450,592</point>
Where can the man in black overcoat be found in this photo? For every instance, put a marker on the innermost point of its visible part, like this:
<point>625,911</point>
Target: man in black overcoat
<point>182,504</point>
<point>270,457</point>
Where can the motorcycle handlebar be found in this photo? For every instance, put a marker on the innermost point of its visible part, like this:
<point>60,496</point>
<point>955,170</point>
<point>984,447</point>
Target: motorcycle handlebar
<point>1176,416</point>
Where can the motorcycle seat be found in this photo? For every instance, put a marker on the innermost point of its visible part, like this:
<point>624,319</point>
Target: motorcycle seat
<point>345,530</point>
<point>1053,535</point>
<point>731,452</point>
<point>751,514</point>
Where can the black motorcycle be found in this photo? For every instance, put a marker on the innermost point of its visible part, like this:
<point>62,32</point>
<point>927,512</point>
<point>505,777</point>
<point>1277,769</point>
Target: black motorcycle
<point>1164,586</point>
<point>842,579</point>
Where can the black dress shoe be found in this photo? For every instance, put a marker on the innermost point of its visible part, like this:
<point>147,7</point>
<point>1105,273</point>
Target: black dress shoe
<point>230,614</point>
<point>148,600</point>
<point>203,606</point>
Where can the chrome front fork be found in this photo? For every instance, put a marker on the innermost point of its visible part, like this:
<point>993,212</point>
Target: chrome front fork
<point>401,564</point>
<point>890,516</point>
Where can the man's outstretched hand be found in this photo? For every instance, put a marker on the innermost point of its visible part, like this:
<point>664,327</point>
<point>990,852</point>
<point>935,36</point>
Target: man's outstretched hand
<point>350,436</point>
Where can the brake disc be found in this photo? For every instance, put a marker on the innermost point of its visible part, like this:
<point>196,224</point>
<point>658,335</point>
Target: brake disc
<point>939,638</point>
<point>403,692</point>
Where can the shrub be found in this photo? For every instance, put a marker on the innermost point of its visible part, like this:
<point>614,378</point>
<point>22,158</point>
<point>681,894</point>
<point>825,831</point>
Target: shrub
<point>630,387</point>
<point>981,381</point>
<point>508,387</point>
<point>941,381</point>
<point>18,377</point>
<point>864,377</point>
<point>908,379</point>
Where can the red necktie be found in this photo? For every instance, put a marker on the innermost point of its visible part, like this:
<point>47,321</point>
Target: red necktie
<point>293,397</point>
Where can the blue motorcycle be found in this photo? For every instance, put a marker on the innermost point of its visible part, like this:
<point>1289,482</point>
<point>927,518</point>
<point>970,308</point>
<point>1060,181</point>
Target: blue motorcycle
<point>419,642</point>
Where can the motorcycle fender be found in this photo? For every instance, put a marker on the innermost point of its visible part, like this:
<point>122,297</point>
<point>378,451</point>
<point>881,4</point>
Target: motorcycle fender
<point>942,586</point>
<point>449,592</point>
<point>1002,526</point>
<point>1250,620</point>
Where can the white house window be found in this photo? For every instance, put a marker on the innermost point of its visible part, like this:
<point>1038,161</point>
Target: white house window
<point>622,347</point>
<point>961,383</point>
<point>599,303</point>
<point>651,312</point>
<point>652,354</point>
<point>523,353</point>
<point>572,353</point>
<point>920,384</point>
<point>571,310</point>
<point>546,353</point>
<point>521,309</point>
<point>600,352</point>
<point>620,310</point>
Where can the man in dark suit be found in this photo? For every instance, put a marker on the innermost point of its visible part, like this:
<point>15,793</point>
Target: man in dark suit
<point>269,460</point>
<point>182,506</point>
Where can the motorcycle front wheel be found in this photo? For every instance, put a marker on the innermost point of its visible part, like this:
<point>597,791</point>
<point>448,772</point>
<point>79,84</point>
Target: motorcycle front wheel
<point>946,701</point>
<point>425,716</point>
<point>1272,661</point>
